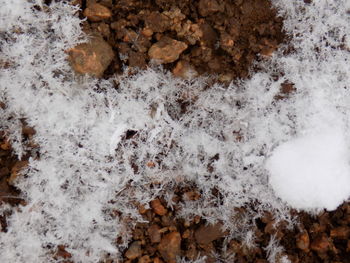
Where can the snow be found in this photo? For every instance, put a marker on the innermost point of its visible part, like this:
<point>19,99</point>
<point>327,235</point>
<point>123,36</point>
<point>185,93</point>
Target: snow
<point>80,125</point>
<point>312,171</point>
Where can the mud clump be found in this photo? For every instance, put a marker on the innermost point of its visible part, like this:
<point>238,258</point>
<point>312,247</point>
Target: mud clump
<point>219,37</point>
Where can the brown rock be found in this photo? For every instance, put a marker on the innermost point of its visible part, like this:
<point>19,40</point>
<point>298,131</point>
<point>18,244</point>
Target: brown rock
<point>91,58</point>
<point>166,50</point>
<point>158,208</point>
<point>134,251</point>
<point>206,7</point>
<point>154,234</point>
<point>303,241</point>
<point>341,232</point>
<point>321,244</point>
<point>96,12</point>
<point>184,70</point>
<point>208,233</point>
<point>170,247</point>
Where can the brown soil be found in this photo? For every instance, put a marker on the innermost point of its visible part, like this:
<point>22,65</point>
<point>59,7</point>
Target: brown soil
<point>220,37</point>
<point>11,167</point>
<point>323,238</point>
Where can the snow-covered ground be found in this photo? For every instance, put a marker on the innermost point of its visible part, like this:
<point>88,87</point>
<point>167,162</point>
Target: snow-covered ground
<point>302,141</point>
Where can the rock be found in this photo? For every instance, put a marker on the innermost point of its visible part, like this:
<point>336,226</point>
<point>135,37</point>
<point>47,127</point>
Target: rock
<point>91,58</point>
<point>208,233</point>
<point>206,7</point>
<point>96,12</point>
<point>341,232</point>
<point>321,245</point>
<point>170,247</point>
<point>154,234</point>
<point>166,50</point>
<point>303,241</point>
<point>158,208</point>
<point>184,70</point>
<point>134,251</point>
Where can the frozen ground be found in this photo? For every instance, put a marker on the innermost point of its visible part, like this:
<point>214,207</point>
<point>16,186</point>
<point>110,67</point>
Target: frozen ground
<point>85,162</point>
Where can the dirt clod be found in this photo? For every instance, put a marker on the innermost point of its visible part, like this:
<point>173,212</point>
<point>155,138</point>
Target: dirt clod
<point>158,208</point>
<point>96,12</point>
<point>154,233</point>
<point>206,234</point>
<point>134,251</point>
<point>169,247</point>
<point>166,50</point>
<point>91,58</point>
<point>303,241</point>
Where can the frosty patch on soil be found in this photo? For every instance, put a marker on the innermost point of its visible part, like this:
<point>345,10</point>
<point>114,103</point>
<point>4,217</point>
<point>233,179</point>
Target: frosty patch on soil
<point>70,189</point>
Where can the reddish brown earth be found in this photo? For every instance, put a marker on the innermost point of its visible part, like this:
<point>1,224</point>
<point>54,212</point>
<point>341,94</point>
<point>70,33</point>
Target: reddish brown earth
<point>219,37</point>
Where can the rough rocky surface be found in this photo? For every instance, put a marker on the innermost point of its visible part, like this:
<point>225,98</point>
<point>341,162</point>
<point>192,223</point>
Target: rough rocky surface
<point>219,37</point>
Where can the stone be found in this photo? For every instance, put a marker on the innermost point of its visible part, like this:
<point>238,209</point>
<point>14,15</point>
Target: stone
<point>208,233</point>
<point>91,58</point>
<point>303,241</point>
<point>134,251</point>
<point>158,208</point>
<point>97,12</point>
<point>170,247</point>
<point>166,50</point>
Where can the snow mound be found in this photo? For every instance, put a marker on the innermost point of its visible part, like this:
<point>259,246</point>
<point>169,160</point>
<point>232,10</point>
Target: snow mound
<point>311,172</point>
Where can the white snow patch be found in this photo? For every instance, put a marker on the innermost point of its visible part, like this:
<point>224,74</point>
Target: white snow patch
<point>313,171</point>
